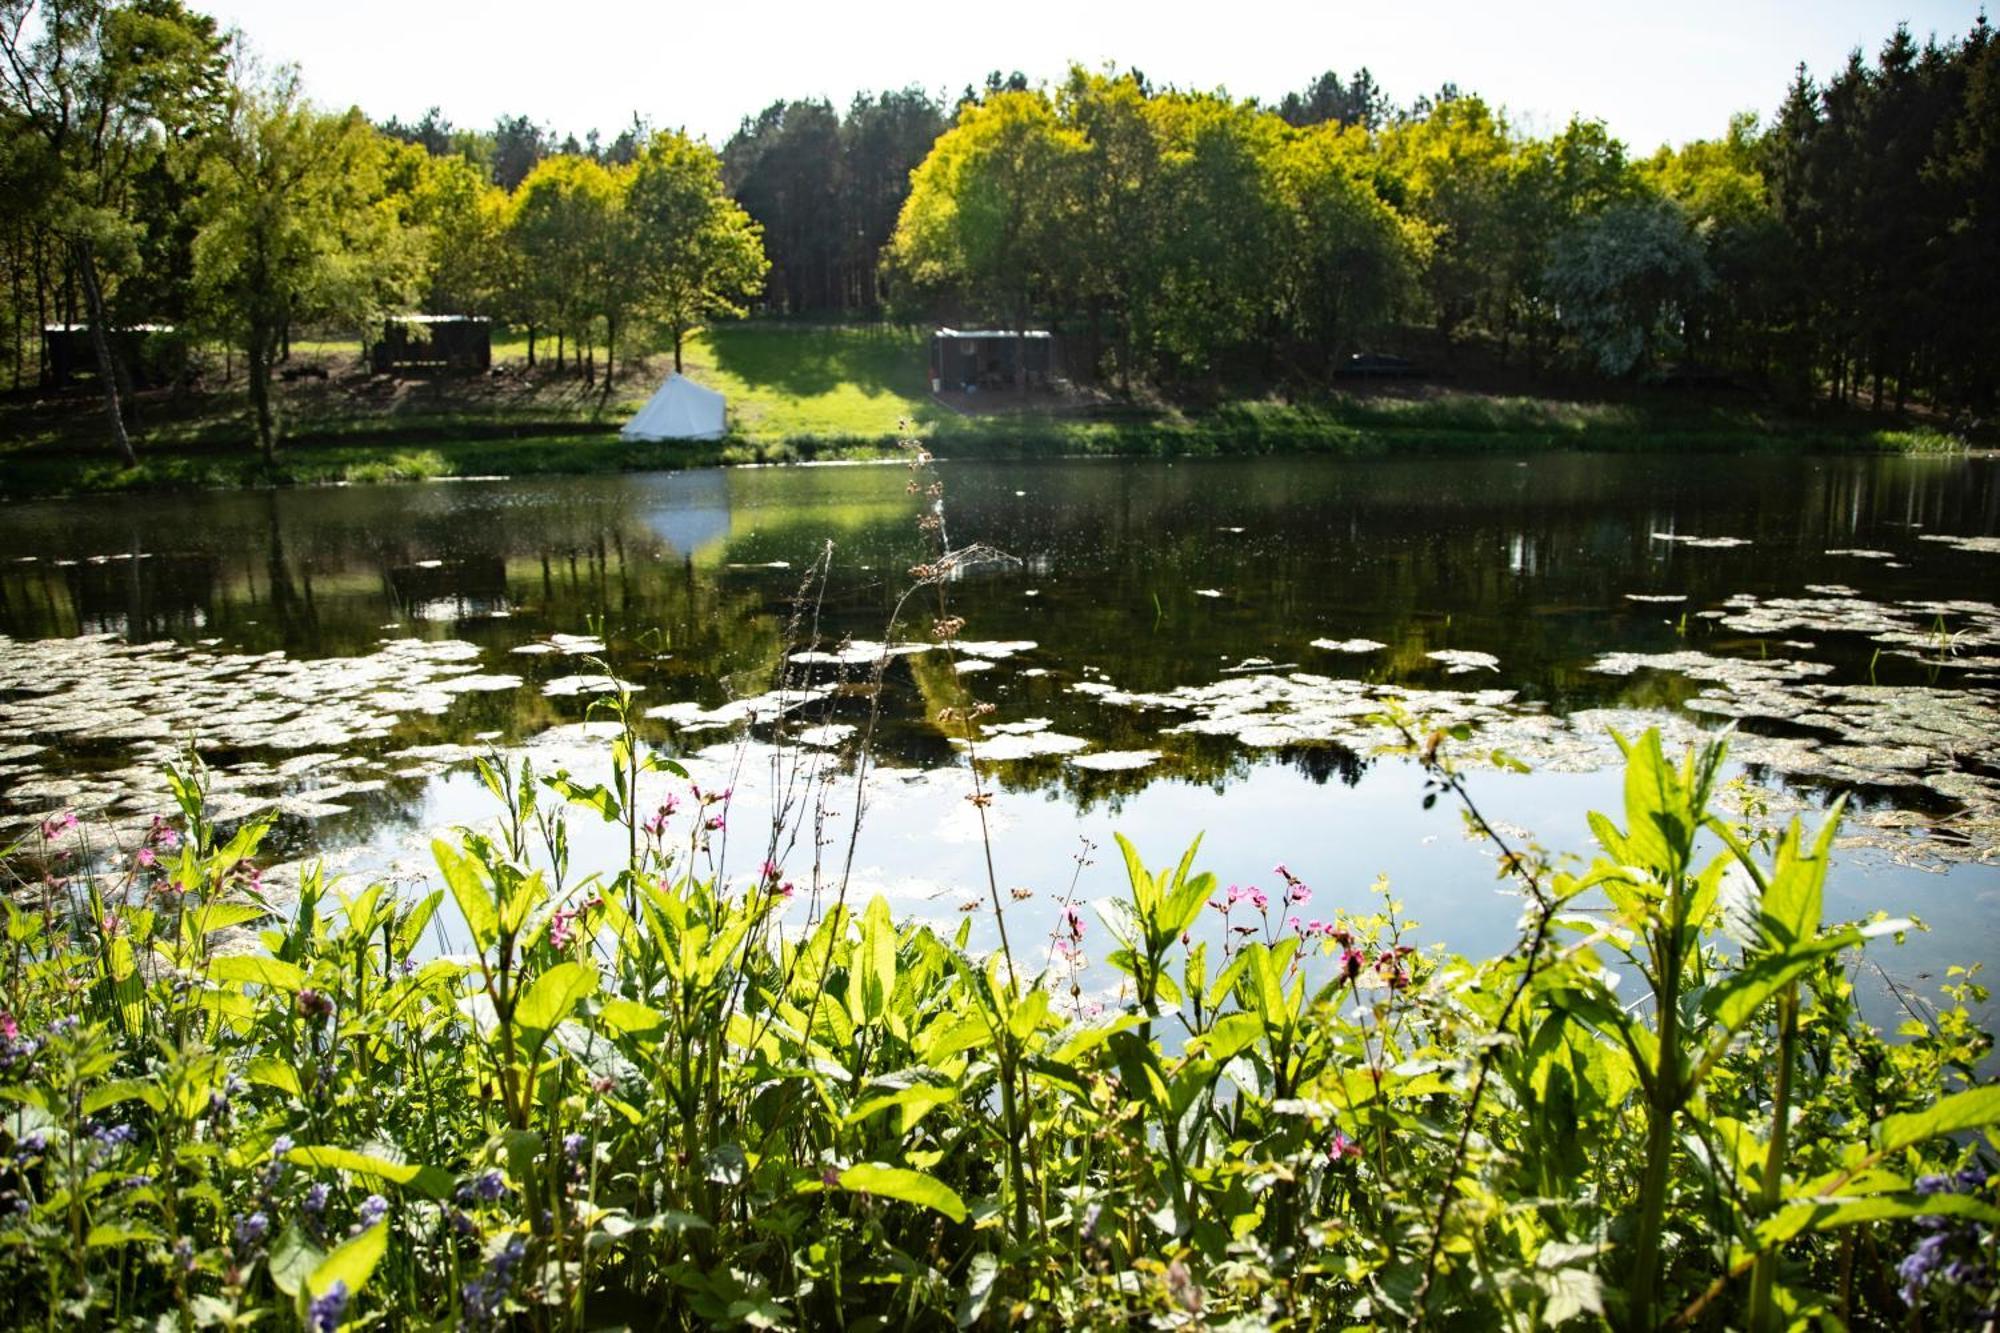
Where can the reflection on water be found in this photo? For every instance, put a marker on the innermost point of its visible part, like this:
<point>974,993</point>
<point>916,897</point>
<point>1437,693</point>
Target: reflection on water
<point>1493,583</point>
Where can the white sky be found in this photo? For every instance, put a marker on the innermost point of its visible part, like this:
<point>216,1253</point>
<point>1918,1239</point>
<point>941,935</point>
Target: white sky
<point>1660,71</point>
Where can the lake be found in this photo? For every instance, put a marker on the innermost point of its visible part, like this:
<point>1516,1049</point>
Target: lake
<point>1170,648</point>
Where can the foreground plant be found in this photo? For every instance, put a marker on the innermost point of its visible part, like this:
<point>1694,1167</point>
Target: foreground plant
<point>643,1099</point>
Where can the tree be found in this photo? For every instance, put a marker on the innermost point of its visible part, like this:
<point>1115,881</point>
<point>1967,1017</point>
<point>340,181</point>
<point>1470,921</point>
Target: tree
<point>696,255</point>
<point>1351,262</point>
<point>1452,167</point>
<point>882,140</point>
<point>1212,282</point>
<point>1358,101</point>
<point>984,222</point>
<point>96,87</point>
<point>297,226</point>
<point>463,218</point>
<point>1619,280</point>
<point>565,224</point>
<point>518,146</point>
<point>785,167</point>
<point>1111,211</point>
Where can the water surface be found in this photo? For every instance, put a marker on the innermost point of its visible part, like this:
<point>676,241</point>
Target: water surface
<point>1173,648</point>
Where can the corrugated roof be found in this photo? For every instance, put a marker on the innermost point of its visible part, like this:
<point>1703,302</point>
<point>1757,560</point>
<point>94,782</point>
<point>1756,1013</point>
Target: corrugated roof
<point>994,333</point>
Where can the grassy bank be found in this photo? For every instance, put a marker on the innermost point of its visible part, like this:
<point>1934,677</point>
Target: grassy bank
<point>802,394</point>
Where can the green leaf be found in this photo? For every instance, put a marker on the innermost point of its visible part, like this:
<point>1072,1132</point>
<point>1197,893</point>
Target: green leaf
<point>293,1258</point>
<point>980,1276</point>
<point>122,1090</point>
<point>1826,1214</point>
<point>1975,1108</point>
<point>915,1103</point>
<point>467,883</point>
<point>433,1182</point>
<point>351,1262</point>
<point>212,917</point>
<point>551,998</point>
<point>632,1018</point>
<point>258,970</point>
<point>106,1235</point>
<point>1734,1000</point>
<point>1232,1035</point>
<point>1790,911</point>
<point>905,1186</point>
<point>1570,1292</point>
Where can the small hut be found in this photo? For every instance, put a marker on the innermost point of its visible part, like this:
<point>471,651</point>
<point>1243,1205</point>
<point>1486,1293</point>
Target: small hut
<point>972,359</point>
<point>68,352</point>
<point>433,342</point>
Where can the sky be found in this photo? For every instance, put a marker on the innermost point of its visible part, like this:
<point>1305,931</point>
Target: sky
<point>1654,72</point>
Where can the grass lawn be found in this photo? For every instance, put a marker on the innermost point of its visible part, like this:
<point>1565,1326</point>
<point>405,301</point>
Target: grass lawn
<point>801,392</point>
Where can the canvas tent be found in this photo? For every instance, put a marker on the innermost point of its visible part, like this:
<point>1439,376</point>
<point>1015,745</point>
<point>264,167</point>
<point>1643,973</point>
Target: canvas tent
<point>679,410</point>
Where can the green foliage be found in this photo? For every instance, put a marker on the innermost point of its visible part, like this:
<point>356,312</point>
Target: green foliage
<point>297,223</point>
<point>640,1100</point>
<point>1623,279</point>
<point>695,255</point>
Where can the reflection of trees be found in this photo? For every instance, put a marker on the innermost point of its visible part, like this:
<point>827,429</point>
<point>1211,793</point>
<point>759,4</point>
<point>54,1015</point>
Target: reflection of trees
<point>1529,563</point>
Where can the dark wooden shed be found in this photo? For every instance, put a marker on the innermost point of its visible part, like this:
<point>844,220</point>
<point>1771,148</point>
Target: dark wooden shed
<point>972,359</point>
<point>69,354</point>
<point>433,342</point>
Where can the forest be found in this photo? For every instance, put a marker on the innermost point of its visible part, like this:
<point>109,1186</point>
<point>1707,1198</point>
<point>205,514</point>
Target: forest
<point>1181,242</point>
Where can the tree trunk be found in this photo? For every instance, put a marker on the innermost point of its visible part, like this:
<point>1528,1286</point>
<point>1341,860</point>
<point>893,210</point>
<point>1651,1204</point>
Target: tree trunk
<point>42,369</point>
<point>559,351</point>
<point>259,354</point>
<point>678,331</point>
<point>531,347</point>
<point>100,341</point>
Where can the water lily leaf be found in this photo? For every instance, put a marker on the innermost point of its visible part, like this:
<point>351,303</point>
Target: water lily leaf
<point>905,1186</point>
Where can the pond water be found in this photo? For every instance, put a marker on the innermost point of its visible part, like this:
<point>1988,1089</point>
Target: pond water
<point>1172,648</point>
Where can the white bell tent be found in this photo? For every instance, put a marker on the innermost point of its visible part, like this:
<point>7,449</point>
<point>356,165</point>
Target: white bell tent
<point>679,410</point>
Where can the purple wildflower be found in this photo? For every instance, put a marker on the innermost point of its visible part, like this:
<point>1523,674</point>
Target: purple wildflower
<point>325,1314</point>
<point>250,1231</point>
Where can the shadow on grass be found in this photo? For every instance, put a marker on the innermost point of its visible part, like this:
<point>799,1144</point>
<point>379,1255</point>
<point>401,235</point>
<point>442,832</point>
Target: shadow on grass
<point>806,360</point>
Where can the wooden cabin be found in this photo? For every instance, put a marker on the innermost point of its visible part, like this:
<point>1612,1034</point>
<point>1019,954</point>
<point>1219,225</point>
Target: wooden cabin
<point>69,353</point>
<point>433,342</point>
<point>969,360</point>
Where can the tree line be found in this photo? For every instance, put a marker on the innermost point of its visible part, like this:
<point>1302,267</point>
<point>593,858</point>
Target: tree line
<point>153,173</point>
<point>1851,248</point>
